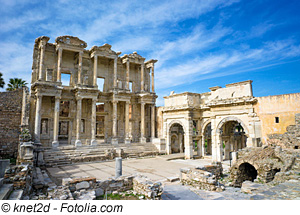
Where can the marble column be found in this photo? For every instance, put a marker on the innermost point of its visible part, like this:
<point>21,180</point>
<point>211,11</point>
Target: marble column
<point>79,67</point>
<point>95,70</point>
<point>127,74</point>
<point>142,78</point>
<point>152,79</point>
<point>227,150</point>
<point>142,138</point>
<point>127,139</point>
<point>93,123</point>
<point>42,54</point>
<point>115,121</point>
<point>115,72</point>
<point>37,123</point>
<point>59,64</point>
<point>203,145</point>
<point>152,122</point>
<point>199,147</point>
<point>78,122</point>
<point>55,142</point>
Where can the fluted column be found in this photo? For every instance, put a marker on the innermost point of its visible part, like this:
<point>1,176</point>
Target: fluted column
<point>115,72</point>
<point>127,139</point>
<point>42,54</point>
<point>55,142</point>
<point>152,122</point>
<point>115,125</point>
<point>142,138</point>
<point>142,77</point>
<point>79,67</point>
<point>37,123</point>
<point>59,64</point>
<point>152,79</point>
<point>78,122</point>
<point>127,74</point>
<point>95,70</point>
<point>93,123</point>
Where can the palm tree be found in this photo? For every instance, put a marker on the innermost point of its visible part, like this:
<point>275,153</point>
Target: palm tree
<point>15,83</point>
<point>2,83</point>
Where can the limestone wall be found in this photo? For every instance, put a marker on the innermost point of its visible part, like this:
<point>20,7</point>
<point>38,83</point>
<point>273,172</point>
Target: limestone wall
<point>10,121</point>
<point>282,106</point>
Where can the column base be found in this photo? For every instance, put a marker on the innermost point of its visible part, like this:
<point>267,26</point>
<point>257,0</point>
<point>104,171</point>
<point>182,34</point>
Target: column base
<point>94,142</point>
<point>127,141</point>
<point>142,140</point>
<point>55,144</point>
<point>114,141</point>
<point>78,143</point>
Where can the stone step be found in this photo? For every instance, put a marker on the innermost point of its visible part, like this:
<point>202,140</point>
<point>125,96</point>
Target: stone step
<point>5,191</point>
<point>16,195</point>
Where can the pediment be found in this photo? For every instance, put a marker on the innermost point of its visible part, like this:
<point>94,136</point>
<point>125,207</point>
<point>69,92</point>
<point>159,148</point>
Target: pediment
<point>70,40</point>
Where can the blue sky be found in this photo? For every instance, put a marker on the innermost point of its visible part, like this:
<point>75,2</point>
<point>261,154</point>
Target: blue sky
<point>198,44</point>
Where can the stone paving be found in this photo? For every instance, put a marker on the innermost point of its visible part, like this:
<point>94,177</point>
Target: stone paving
<point>161,168</point>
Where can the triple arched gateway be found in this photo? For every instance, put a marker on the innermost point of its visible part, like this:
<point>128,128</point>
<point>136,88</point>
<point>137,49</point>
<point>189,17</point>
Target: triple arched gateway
<point>211,124</point>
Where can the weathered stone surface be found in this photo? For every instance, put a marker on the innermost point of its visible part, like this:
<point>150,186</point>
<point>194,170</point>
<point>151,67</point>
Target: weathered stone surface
<point>249,187</point>
<point>82,185</point>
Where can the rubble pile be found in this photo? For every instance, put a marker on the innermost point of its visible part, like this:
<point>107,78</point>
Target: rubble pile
<point>144,186</point>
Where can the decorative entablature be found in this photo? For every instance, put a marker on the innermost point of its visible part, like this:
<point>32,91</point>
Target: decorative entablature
<point>150,63</point>
<point>104,51</point>
<point>70,43</point>
<point>148,98</point>
<point>231,102</point>
<point>133,58</point>
<point>42,40</point>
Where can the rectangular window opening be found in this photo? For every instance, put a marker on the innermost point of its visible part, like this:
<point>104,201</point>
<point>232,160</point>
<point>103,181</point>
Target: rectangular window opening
<point>99,107</point>
<point>100,83</point>
<point>66,79</point>
<point>130,86</point>
<point>276,119</point>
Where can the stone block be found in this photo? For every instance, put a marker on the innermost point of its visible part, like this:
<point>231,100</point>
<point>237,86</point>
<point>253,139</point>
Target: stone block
<point>99,192</point>
<point>82,185</point>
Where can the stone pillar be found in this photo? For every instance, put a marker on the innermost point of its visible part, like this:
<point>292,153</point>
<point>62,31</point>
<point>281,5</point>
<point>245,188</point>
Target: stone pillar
<point>59,64</point>
<point>79,67</point>
<point>95,70</point>
<point>199,148</point>
<point>37,123</point>
<point>227,150</point>
<point>152,122</point>
<point>55,142</point>
<point>115,72</point>
<point>188,139</point>
<point>142,78</point>
<point>152,78</point>
<point>142,138</point>
<point>127,139</point>
<point>127,74</point>
<point>78,122</point>
<point>93,123</point>
<point>203,145</point>
<point>42,54</point>
<point>115,116</point>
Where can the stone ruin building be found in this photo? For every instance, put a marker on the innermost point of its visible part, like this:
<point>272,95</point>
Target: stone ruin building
<point>87,97</point>
<point>225,120</point>
<point>96,97</point>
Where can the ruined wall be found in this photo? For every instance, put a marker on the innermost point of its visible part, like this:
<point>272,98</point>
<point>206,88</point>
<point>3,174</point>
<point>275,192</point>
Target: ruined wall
<point>282,106</point>
<point>10,121</point>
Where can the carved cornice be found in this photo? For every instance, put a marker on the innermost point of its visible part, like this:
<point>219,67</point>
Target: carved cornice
<point>71,41</point>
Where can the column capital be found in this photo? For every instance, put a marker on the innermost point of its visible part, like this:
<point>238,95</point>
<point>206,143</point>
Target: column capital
<point>58,97</point>
<point>78,98</point>
<point>115,101</point>
<point>128,102</point>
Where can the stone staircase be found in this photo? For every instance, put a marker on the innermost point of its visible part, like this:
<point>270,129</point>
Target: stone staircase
<point>65,155</point>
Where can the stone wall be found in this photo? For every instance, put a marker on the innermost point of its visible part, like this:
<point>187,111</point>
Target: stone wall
<point>284,107</point>
<point>290,139</point>
<point>10,121</point>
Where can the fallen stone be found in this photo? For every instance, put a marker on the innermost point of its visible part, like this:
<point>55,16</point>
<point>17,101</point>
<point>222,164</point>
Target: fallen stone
<point>172,179</point>
<point>99,192</point>
<point>82,185</point>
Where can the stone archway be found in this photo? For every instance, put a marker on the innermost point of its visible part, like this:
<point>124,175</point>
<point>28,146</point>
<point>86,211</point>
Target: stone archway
<point>176,133</point>
<point>206,138</point>
<point>233,134</point>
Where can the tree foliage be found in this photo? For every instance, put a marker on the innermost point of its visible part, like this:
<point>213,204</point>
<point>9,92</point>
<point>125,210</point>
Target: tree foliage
<point>15,83</point>
<point>2,83</point>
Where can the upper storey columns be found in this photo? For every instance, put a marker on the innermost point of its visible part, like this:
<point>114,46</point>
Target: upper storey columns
<point>42,41</point>
<point>150,64</point>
